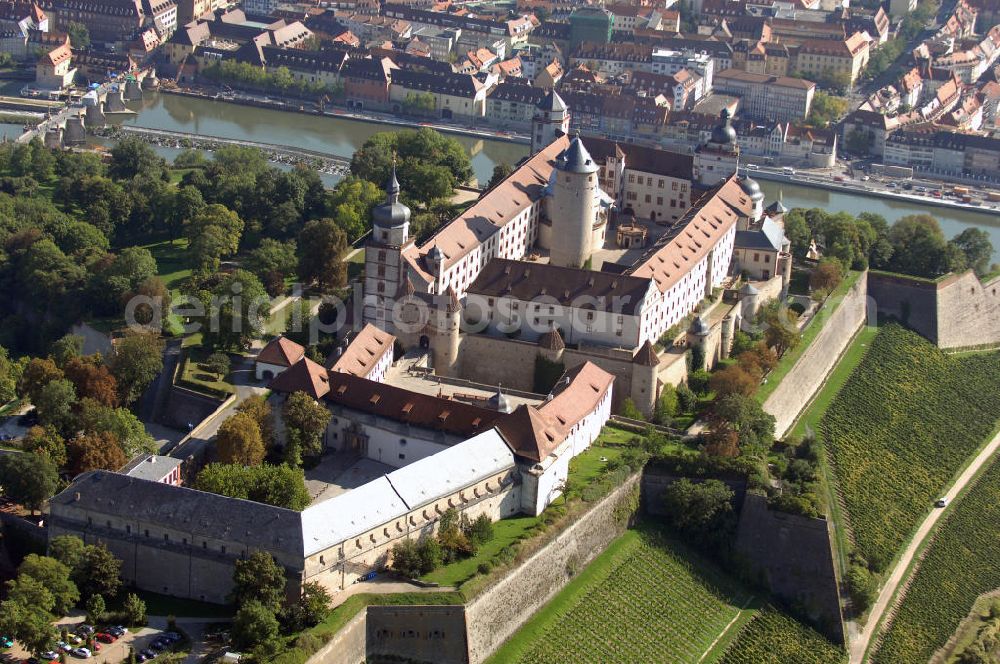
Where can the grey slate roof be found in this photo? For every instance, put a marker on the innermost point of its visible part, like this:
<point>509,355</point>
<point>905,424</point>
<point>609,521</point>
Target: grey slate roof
<point>151,467</point>
<point>576,159</point>
<point>768,238</point>
<point>255,525</point>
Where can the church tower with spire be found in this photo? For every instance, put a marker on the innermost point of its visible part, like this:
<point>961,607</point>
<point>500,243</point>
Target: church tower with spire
<point>385,272</point>
<point>550,121</point>
<point>719,157</point>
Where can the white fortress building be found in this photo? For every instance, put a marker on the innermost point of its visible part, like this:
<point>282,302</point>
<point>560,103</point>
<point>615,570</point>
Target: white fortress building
<point>546,248</point>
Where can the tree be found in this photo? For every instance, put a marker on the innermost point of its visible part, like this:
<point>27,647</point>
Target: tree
<point>758,359</point>
<point>781,333</point>
<point>975,246</point>
<point>827,275</point>
<point>79,35</point>
<point>138,360</point>
<point>254,624</point>
<point>920,247</point>
<point>419,103</point>
<point>826,108</point>
<point>54,404</point>
<point>23,619</point>
<point>130,433</point>
<point>747,418</point>
<point>280,486</point>
<point>55,576</point>
<point>95,609</point>
<point>68,550</point>
<point>98,572</point>
<point>240,313</point>
<point>28,479</point>
<point>480,530</point>
<point>66,348</point>
<point>131,157</point>
<point>214,233</point>
<point>272,262</point>
<point>734,380</point>
<point>134,609</point>
<point>10,373</point>
<point>666,405</point>
<point>95,451</point>
<point>218,363</point>
<point>314,603</point>
<point>257,407</point>
<point>92,379</point>
<point>350,203</point>
<point>722,440</point>
<point>239,441</point>
<point>46,443</point>
<point>631,411</point>
<point>321,248</point>
<point>500,173</point>
<point>697,507</point>
<point>305,422</point>
<point>259,578</point>
<point>38,373</point>
<point>185,207</point>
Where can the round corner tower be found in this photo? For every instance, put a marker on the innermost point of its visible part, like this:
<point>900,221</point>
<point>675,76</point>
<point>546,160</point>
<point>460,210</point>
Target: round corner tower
<point>573,206</point>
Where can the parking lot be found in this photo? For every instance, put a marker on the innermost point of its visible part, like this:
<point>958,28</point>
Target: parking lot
<point>112,653</point>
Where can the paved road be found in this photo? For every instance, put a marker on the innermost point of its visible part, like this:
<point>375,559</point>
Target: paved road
<point>899,572</point>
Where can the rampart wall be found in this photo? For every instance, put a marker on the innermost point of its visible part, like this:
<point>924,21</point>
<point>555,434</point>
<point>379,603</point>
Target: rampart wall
<point>498,613</point>
<point>805,378</point>
<point>957,311</point>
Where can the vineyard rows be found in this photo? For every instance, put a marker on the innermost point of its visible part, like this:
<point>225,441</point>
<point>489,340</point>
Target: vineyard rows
<point>773,637</point>
<point>903,424</point>
<point>652,607</point>
<point>961,564</point>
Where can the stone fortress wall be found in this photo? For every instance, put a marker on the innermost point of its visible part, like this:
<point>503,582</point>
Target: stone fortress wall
<point>472,633</point>
<point>957,311</point>
<point>805,378</point>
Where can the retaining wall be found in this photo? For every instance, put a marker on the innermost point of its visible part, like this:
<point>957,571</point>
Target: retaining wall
<point>348,646</point>
<point>805,378</point>
<point>499,612</point>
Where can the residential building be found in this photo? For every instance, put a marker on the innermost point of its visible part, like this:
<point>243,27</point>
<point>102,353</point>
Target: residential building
<point>590,25</point>
<point>155,468</point>
<point>455,95</point>
<point>54,69</point>
<point>832,60</point>
<point>768,97</point>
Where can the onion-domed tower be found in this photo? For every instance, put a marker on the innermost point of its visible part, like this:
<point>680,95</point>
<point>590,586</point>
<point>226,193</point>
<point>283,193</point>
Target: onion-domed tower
<point>385,270</point>
<point>719,157</point>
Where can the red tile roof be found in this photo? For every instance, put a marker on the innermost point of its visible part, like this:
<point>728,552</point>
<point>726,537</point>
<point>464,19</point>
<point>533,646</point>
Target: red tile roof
<point>364,352</point>
<point>281,352</point>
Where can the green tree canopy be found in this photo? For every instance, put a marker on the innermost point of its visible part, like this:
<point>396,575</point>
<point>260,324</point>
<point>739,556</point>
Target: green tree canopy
<point>28,479</point>
<point>321,248</point>
<point>305,422</point>
<point>55,577</point>
<point>137,361</point>
<point>239,441</point>
<point>259,578</point>
<point>280,486</point>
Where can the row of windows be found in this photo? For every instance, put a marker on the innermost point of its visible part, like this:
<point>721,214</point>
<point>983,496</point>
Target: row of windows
<point>145,533</point>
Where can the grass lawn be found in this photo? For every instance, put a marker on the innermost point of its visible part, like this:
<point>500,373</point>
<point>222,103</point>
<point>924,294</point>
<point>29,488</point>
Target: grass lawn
<point>172,261</point>
<point>356,265</point>
<point>644,599</point>
<point>505,532</point>
<point>811,417</point>
<point>196,374</point>
<point>164,605</point>
<point>789,359</point>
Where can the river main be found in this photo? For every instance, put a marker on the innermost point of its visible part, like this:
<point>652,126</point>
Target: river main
<point>342,136</point>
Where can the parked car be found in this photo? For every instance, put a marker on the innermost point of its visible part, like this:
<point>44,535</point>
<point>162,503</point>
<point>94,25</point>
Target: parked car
<point>82,653</point>
<point>104,637</point>
<point>150,654</point>
<point>65,647</point>
<point>74,639</point>
<point>49,654</point>
<point>941,502</point>
<point>6,641</point>
<point>85,629</point>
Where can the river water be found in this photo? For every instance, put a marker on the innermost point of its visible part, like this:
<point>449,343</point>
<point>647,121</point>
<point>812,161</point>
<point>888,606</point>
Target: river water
<point>342,136</point>
<point>336,136</point>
